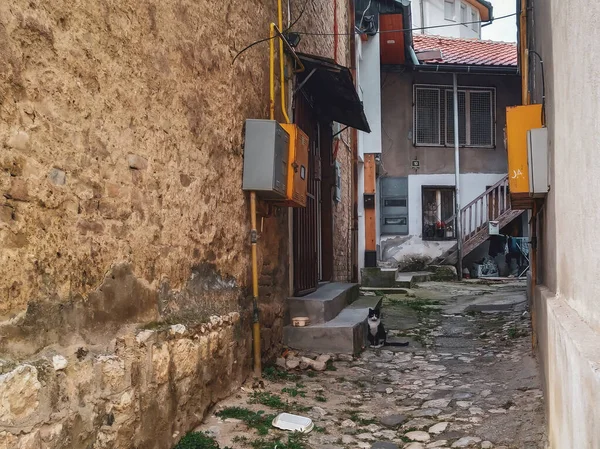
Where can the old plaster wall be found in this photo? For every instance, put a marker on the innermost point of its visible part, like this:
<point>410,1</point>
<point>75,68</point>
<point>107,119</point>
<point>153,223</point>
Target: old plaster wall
<point>566,312</point>
<point>121,134</point>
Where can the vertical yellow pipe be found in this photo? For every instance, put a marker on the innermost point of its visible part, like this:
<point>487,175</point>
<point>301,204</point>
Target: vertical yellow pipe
<point>281,62</point>
<point>255,320</point>
<point>272,71</point>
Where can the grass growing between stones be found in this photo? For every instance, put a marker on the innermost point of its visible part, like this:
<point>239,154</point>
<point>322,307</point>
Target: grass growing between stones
<point>198,440</point>
<point>255,420</point>
<point>294,441</point>
<point>273,374</point>
<point>274,401</point>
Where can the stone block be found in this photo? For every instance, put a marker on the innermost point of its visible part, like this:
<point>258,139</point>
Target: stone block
<point>184,354</point>
<point>161,358</point>
<point>19,394</point>
<point>18,141</point>
<point>18,190</point>
<point>137,162</point>
<point>57,177</point>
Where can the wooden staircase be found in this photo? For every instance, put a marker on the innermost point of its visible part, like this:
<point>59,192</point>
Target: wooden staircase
<point>491,205</point>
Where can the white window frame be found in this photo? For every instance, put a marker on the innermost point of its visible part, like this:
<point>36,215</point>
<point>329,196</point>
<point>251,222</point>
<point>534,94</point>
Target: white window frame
<point>453,15</point>
<point>474,19</point>
<point>442,118</point>
<point>463,13</point>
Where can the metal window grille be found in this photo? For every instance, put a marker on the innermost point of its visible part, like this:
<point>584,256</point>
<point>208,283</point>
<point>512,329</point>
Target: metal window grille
<point>427,116</point>
<point>438,209</point>
<point>481,118</point>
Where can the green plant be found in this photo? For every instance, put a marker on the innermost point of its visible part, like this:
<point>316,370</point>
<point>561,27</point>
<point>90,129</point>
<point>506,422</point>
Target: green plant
<point>267,399</point>
<point>330,366</point>
<point>255,420</point>
<point>293,392</point>
<point>320,398</point>
<point>197,440</point>
<point>311,374</point>
<point>295,441</point>
<point>273,374</point>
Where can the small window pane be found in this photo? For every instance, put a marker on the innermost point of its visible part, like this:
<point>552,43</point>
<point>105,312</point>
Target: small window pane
<point>481,118</point>
<point>463,13</point>
<point>474,20</point>
<point>449,9</point>
<point>395,203</point>
<point>427,116</point>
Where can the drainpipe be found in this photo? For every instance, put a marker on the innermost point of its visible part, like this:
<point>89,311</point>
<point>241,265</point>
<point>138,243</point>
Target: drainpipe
<point>457,180</point>
<point>422,11</point>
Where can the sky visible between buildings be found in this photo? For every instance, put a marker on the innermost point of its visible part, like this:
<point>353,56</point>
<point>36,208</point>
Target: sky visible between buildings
<point>504,29</point>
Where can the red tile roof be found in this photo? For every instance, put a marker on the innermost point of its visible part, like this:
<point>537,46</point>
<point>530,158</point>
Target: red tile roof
<point>467,51</point>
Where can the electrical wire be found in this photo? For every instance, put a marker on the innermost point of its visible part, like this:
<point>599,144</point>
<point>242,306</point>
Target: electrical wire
<point>266,39</point>
<point>308,33</point>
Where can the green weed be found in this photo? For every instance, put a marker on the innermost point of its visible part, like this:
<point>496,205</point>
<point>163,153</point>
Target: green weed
<point>255,420</point>
<point>197,440</point>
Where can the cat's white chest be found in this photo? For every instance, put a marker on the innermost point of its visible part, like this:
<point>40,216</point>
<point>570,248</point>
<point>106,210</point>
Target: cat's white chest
<point>373,325</point>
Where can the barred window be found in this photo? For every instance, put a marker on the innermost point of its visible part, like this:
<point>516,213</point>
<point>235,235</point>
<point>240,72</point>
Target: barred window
<point>427,116</point>
<point>434,117</point>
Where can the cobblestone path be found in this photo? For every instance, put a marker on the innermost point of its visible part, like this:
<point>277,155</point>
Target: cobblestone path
<point>467,379</point>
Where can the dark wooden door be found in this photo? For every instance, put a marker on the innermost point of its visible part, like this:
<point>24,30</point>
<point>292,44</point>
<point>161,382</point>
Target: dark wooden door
<point>306,220</point>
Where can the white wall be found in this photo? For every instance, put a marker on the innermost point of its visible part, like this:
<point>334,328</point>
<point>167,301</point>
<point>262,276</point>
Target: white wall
<point>433,12</point>
<point>399,247</point>
<point>369,77</point>
<point>369,91</point>
<point>471,186</point>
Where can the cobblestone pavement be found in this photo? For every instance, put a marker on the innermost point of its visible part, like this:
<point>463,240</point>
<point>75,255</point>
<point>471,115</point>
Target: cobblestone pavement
<point>467,379</point>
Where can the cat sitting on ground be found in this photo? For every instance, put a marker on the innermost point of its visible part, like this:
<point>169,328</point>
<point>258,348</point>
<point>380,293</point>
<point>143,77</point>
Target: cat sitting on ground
<point>377,334</point>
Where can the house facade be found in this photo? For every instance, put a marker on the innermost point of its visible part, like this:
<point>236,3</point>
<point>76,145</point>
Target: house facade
<point>450,18</point>
<point>416,193</point>
<point>124,232</point>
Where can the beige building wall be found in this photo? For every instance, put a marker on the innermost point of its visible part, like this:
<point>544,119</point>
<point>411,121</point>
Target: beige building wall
<point>567,311</point>
<point>121,214</point>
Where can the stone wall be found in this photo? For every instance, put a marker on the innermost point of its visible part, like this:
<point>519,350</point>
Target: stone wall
<point>121,150</point>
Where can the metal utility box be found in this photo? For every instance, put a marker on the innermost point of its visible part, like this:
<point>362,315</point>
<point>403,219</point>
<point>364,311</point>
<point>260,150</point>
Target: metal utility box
<point>519,120</point>
<point>537,159</point>
<point>493,227</point>
<point>297,170</point>
<point>266,155</point>
<point>394,205</point>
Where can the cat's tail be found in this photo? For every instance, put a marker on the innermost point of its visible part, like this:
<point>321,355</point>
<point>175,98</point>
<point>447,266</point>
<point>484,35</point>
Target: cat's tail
<point>396,343</point>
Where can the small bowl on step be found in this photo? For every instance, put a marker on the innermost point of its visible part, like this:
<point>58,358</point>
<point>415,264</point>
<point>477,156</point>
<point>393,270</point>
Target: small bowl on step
<point>300,321</point>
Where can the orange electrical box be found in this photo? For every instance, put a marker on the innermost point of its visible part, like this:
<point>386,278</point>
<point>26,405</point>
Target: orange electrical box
<point>519,120</point>
<point>297,167</point>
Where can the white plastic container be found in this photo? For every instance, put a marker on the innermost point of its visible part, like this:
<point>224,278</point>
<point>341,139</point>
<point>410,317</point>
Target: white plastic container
<point>294,423</point>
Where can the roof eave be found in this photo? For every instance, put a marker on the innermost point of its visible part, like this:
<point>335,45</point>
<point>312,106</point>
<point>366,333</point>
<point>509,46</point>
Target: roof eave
<point>467,69</point>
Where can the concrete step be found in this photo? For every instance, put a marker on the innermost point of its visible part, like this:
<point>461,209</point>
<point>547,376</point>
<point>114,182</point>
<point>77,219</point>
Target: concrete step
<point>344,334</point>
<point>324,304</point>
<point>409,279</point>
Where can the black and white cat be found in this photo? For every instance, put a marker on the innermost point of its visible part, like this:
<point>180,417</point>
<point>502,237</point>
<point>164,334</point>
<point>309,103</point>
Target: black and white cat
<point>377,333</point>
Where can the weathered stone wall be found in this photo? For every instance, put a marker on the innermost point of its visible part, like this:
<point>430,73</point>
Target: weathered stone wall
<point>153,388</point>
<point>121,150</point>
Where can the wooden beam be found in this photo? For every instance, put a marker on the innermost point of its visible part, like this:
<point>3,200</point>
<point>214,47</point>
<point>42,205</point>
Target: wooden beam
<point>370,215</point>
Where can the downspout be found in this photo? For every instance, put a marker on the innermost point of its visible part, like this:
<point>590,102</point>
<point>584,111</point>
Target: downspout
<point>282,63</point>
<point>457,180</point>
<point>524,54</point>
<point>422,11</point>
<point>335,31</point>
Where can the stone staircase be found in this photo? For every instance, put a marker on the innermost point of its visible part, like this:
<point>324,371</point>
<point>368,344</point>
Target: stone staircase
<point>491,205</point>
<point>337,319</point>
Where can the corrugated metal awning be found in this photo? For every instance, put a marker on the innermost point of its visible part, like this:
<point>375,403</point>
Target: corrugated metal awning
<point>332,88</point>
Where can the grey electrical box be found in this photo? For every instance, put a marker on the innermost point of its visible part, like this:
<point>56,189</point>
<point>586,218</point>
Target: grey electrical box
<point>266,159</point>
<point>394,205</point>
<point>537,158</point>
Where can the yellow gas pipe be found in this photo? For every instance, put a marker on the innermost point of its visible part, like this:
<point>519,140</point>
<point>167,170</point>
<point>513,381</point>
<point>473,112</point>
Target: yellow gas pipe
<point>253,231</point>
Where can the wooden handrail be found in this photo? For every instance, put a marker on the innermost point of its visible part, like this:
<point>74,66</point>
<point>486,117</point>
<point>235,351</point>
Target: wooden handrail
<point>503,181</point>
